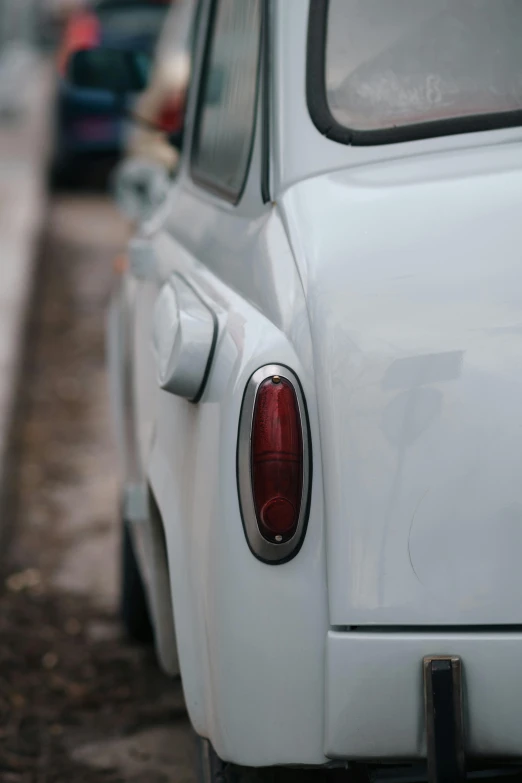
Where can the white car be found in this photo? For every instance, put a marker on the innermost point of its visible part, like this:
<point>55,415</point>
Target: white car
<point>316,368</point>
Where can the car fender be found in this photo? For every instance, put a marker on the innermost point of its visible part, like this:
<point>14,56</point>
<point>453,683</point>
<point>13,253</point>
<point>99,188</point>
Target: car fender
<point>227,604</point>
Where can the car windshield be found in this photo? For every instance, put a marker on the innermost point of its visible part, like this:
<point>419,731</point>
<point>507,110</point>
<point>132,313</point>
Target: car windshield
<point>132,21</point>
<point>394,63</point>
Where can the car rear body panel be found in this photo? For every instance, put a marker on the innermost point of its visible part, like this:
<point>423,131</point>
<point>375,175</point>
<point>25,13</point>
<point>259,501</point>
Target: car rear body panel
<point>413,278</point>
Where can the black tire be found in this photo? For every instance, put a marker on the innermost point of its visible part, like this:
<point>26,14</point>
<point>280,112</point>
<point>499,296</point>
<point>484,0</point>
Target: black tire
<point>134,608</point>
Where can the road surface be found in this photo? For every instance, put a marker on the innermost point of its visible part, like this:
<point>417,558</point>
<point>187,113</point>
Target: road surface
<point>77,701</point>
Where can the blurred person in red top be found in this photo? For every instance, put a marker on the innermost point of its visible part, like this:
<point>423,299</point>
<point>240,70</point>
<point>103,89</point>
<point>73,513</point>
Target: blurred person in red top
<point>82,31</point>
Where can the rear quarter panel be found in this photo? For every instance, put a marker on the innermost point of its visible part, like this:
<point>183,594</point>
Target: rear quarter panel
<point>413,279</point>
<point>250,636</point>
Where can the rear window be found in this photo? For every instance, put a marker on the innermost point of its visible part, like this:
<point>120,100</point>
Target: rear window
<point>390,64</point>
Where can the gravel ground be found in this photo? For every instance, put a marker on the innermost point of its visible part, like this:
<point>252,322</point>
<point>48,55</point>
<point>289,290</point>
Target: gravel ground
<point>77,701</point>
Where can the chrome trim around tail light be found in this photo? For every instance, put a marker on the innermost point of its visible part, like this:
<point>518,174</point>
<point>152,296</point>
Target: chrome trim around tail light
<point>267,551</point>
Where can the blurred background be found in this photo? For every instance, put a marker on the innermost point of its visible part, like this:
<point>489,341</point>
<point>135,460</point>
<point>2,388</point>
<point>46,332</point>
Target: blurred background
<point>79,700</point>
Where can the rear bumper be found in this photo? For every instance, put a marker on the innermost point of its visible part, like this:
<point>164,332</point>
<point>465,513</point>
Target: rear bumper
<point>374,693</point>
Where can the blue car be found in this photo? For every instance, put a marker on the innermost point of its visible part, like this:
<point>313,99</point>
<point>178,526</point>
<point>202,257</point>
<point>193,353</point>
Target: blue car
<point>90,121</point>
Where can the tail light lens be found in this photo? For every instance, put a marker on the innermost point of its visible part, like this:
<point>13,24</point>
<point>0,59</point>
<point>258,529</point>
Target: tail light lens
<point>277,459</point>
<point>274,463</point>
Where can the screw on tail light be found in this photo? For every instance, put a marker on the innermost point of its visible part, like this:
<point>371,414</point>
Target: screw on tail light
<point>274,468</point>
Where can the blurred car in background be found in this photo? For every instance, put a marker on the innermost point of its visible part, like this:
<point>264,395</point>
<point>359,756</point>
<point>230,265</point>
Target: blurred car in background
<point>156,135</point>
<point>89,119</point>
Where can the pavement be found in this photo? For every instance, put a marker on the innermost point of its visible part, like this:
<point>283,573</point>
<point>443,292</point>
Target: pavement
<point>24,144</point>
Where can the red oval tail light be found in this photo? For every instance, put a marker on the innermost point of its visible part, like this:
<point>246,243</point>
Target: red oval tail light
<point>277,459</point>
<point>274,466</point>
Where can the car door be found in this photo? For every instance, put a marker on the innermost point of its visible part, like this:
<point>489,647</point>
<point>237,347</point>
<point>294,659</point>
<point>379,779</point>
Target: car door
<point>225,240</point>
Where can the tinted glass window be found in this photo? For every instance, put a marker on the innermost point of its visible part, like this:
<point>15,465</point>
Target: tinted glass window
<point>228,96</point>
<point>392,63</point>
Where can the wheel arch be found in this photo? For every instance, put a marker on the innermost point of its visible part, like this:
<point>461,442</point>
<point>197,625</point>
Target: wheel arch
<point>177,594</point>
<point>160,596</point>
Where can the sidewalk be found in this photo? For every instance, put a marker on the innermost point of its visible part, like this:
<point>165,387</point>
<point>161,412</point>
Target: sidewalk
<point>24,141</point>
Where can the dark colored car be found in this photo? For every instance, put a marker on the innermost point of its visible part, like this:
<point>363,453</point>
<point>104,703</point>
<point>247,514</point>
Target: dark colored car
<point>91,121</point>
